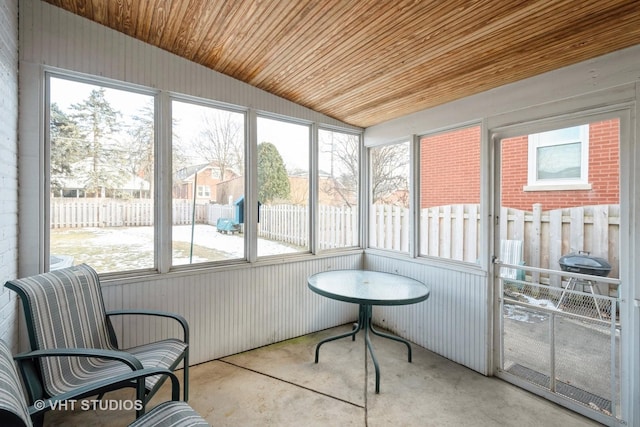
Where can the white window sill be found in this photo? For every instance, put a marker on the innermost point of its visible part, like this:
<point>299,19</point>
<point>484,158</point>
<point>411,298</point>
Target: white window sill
<point>556,187</point>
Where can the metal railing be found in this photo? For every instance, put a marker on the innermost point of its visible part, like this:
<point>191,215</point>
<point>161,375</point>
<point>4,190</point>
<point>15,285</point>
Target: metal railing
<point>561,339</point>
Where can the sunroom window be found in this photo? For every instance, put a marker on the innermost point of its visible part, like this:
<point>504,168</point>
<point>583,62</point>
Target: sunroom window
<point>106,142</point>
<point>208,145</point>
<point>283,187</point>
<point>338,185</point>
<point>389,217</point>
<point>101,170</point>
<point>450,194</point>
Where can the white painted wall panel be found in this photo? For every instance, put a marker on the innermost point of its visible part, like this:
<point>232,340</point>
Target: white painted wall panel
<point>8,168</point>
<point>453,322</point>
<point>234,310</point>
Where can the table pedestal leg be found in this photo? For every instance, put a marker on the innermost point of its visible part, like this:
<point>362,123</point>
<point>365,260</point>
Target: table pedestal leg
<point>392,337</point>
<point>365,323</point>
<point>352,333</point>
<point>367,340</point>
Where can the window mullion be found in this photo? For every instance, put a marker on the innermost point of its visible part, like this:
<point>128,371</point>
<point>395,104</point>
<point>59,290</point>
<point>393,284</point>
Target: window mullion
<point>163,179</point>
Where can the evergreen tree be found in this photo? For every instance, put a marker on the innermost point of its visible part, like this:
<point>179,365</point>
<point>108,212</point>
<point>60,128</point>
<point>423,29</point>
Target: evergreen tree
<point>97,123</point>
<point>140,151</point>
<point>273,181</point>
<point>65,148</point>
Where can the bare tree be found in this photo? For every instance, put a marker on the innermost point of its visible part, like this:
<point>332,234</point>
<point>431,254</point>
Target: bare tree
<point>342,151</point>
<point>221,141</point>
<point>389,174</point>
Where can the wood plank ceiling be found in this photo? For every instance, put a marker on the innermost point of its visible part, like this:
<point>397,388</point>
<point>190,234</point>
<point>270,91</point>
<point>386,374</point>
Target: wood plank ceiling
<point>368,61</point>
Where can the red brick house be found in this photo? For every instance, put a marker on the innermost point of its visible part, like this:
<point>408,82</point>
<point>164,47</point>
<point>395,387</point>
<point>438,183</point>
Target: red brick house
<point>444,182</point>
<point>205,178</point>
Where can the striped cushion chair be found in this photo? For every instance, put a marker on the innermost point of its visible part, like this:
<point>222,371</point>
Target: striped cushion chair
<point>13,407</point>
<point>64,310</point>
<point>171,414</point>
<point>14,411</point>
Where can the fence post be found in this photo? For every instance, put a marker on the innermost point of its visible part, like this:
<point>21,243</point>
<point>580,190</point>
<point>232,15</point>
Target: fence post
<point>535,239</point>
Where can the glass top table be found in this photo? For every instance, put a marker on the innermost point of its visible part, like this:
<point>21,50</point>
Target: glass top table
<point>368,288</point>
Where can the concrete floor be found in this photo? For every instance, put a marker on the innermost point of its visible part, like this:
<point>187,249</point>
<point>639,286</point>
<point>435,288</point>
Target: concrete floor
<point>280,385</point>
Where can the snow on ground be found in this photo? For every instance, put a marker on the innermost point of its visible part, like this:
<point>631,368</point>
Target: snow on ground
<point>124,248</point>
<point>231,244</point>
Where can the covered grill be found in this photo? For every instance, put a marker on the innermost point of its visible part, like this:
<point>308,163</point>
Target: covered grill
<point>582,262</point>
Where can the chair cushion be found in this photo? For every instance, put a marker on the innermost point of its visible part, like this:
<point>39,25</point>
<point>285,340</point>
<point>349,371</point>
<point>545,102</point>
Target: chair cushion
<point>72,372</point>
<point>13,405</point>
<point>174,414</point>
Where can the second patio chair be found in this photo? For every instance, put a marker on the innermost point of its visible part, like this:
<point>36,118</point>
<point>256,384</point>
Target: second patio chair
<point>64,310</point>
<point>15,412</point>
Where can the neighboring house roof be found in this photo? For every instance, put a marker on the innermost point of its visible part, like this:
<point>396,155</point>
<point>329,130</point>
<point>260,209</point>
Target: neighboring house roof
<point>187,173</point>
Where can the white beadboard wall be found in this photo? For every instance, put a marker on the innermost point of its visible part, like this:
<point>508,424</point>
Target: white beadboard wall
<point>234,310</point>
<point>453,322</point>
<point>8,169</point>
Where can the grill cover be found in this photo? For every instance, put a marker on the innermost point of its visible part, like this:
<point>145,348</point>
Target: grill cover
<point>582,262</point>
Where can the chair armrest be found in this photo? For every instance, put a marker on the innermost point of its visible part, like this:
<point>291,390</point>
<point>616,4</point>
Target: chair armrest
<point>180,319</point>
<point>89,390</point>
<point>122,356</point>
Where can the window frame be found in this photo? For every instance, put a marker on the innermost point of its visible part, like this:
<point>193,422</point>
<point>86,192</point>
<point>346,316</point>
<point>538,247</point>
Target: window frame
<point>162,99</point>
<point>204,191</point>
<point>74,77</point>
<point>420,245</point>
<point>409,246</point>
<point>358,192</point>
<point>559,184</point>
<point>311,184</point>
<point>205,103</point>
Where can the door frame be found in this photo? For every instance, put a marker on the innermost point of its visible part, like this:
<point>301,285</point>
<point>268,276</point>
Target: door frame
<point>623,112</point>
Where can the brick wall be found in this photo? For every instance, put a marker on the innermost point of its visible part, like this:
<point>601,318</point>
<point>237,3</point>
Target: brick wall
<point>8,167</point>
<point>604,166</point>
<point>450,168</point>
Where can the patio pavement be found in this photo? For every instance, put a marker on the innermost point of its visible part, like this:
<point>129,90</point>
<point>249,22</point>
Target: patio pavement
<point>280,385</point>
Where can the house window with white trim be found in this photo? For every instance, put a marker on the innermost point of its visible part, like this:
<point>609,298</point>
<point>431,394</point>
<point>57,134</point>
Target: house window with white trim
<point>559,159</point>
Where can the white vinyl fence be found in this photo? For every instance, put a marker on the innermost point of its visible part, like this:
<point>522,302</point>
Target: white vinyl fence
<point>445,231</point>
<point>453,232</point>
<point>80,212</point>
<point>338,226</point>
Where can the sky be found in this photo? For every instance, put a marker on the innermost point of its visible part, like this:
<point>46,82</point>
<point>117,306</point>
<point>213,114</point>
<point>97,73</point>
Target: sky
<point>292,140</point>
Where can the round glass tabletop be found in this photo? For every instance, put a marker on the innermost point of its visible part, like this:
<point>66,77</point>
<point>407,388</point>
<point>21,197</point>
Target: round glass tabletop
<point>368,287</point>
